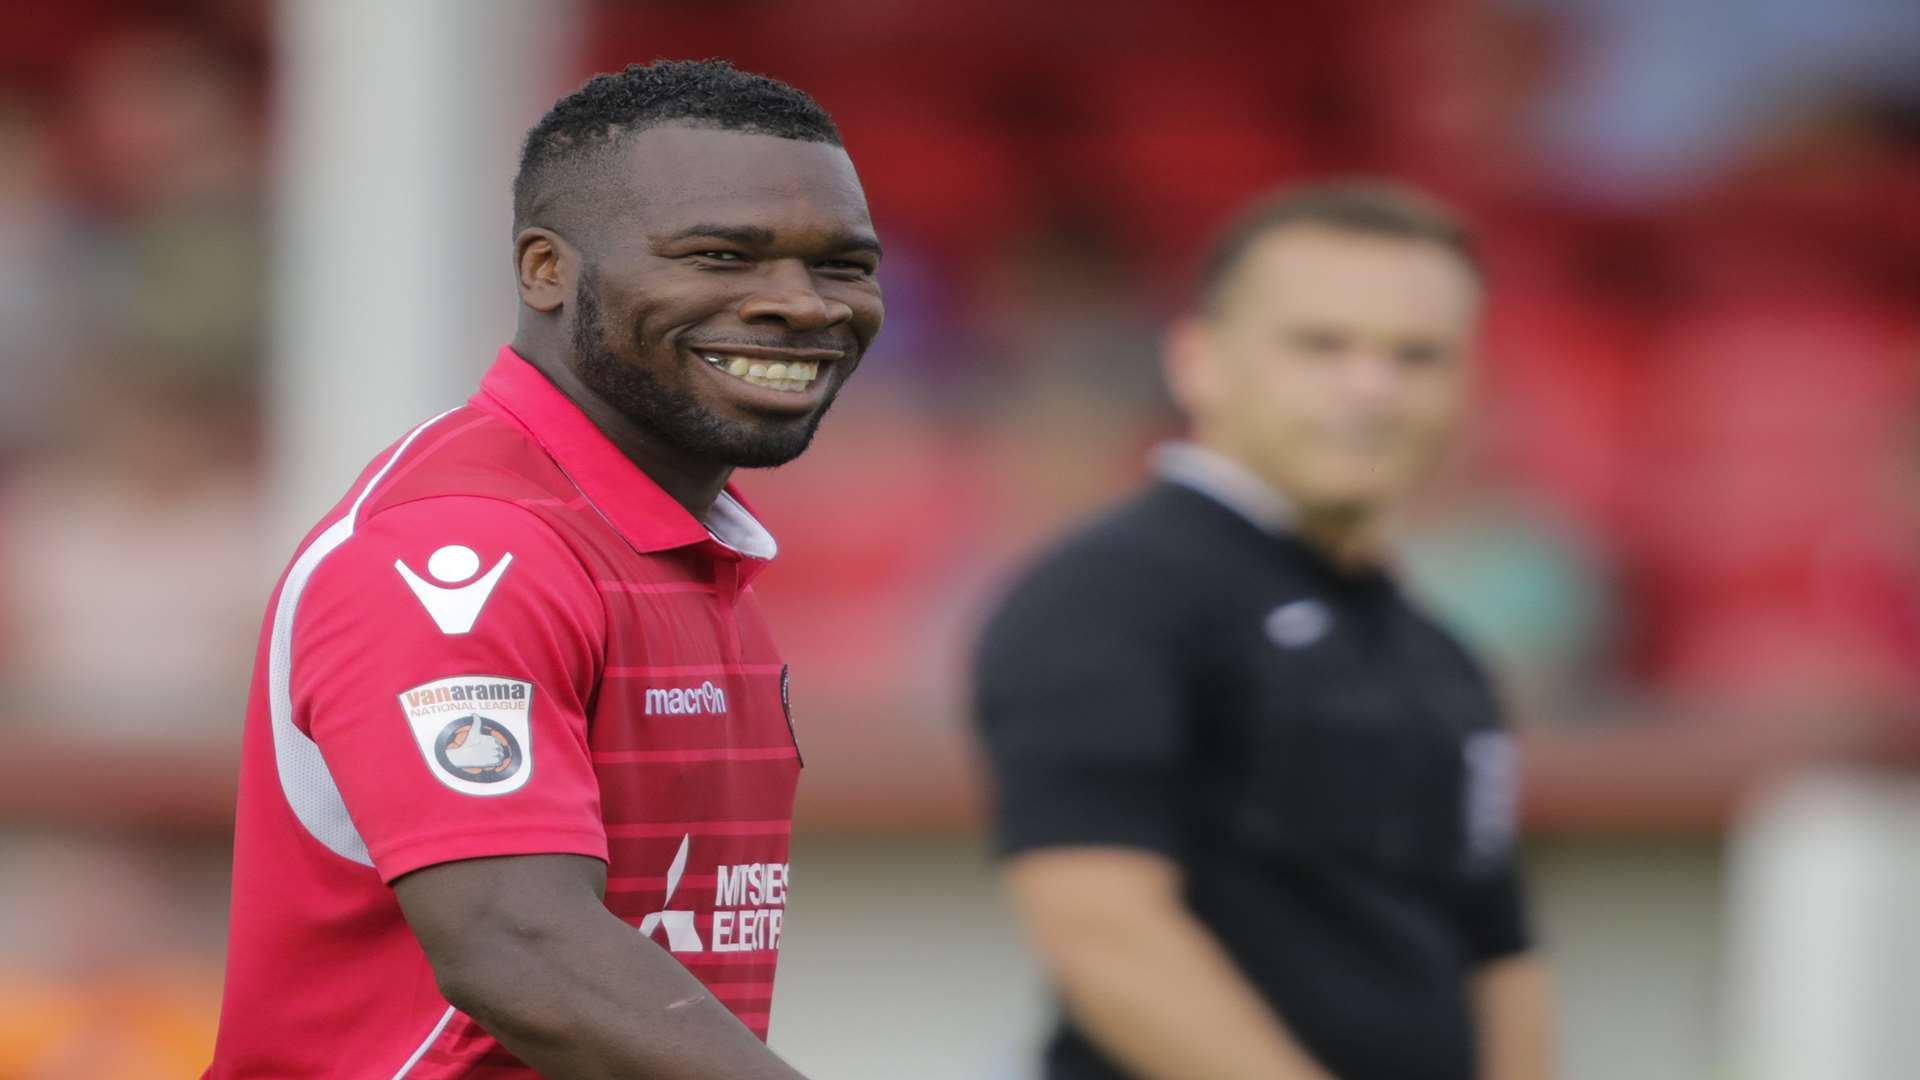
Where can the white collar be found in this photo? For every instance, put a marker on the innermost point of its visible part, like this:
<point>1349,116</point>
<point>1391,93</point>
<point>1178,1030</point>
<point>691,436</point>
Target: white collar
<point>730,523</point>
<point>1226,482</point>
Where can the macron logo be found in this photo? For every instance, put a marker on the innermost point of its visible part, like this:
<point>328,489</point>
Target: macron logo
<point>453,606</point>
<point>703,700</point>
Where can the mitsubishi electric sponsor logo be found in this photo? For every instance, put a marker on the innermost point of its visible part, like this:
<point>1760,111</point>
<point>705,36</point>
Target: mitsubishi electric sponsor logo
<point>756,893</point>
<point>749,906</point>
<point>703,700</point>
<point>682,934</point>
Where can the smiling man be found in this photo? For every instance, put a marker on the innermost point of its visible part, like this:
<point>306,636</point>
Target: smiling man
<point>518,773</point>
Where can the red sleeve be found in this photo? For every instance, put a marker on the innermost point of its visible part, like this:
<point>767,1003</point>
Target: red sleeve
<point>443,660</point>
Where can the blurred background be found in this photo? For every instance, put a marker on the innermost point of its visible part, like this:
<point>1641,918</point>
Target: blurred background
<point>244,244</point>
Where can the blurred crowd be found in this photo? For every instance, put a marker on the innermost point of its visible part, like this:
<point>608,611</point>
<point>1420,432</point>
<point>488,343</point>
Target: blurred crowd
<point>132,270</point>
<point>1690,502</point>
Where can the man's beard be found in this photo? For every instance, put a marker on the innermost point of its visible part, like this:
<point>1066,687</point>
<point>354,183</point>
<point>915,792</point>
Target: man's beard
<point>673,414</point>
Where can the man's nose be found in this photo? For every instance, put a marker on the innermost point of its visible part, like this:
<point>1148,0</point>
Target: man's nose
<point>1372,373</point>
<point>784,292</point>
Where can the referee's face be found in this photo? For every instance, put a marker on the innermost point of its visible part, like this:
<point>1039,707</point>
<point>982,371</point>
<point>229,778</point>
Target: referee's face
<point>730,292</point>
<point>1335,364</point>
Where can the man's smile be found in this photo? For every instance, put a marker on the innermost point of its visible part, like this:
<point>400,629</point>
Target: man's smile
<point>787,370</point>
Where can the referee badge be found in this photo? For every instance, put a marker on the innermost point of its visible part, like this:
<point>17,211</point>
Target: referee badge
<point>1492,794</point>
<point>474,731</point>
<point>1299,624</point>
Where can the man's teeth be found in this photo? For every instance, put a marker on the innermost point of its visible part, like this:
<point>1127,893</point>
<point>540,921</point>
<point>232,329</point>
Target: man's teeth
<point>796,376</point>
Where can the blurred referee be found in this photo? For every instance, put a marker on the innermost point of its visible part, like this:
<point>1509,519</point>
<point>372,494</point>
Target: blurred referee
<point>1256,808</point>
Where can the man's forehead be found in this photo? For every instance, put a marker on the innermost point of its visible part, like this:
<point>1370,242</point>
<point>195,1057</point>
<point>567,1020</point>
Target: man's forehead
<point>677,170</point>
<point>1344,272</point>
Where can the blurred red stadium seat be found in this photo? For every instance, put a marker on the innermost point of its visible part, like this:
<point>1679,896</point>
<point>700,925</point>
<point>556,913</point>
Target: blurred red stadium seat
<point>1769,421</point>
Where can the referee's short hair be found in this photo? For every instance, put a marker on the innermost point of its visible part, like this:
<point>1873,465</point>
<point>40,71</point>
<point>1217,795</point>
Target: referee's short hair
<point>1370,207</point>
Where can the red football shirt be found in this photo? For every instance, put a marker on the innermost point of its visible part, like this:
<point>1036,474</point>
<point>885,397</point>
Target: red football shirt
<point>504,640</point>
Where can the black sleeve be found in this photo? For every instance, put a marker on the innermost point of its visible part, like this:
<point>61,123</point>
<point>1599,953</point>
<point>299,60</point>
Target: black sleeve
<point>1495,916</point>
<point>1493,911</point>
<point>1079,698</point>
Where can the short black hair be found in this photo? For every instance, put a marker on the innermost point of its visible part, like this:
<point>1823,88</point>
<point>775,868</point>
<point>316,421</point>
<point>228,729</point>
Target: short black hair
<point>1371,207</point>
<point>584,125</point>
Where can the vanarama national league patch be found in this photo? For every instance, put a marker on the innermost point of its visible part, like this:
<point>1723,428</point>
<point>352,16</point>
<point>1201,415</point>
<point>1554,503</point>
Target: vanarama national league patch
<point>474,731</point>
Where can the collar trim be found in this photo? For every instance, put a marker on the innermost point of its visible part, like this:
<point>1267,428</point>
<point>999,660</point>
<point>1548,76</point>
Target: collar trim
<point>1226,482</point>
<point>733,525</point>
<point>644,514</point>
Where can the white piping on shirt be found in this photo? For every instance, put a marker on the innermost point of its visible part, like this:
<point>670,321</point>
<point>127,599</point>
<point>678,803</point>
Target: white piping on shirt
<point>305,780</point>
<point>421,1050</point>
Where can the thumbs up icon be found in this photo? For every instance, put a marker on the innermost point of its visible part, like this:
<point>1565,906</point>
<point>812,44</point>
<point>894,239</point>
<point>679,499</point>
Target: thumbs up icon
<point>477,749</point>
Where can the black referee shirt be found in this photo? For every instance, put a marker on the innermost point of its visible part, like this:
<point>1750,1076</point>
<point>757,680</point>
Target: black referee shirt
<point>1325,763</point>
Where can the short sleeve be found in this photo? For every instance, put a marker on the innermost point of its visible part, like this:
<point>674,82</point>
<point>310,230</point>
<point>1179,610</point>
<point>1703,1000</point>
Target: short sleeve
<point>443,660</point>
<point>1079,699</point>
<point>1495,916</point>
<point>1493,908</point>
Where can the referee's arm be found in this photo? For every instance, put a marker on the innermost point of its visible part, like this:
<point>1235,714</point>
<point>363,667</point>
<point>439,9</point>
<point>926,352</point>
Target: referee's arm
<point>1511,991</point>
<point>1512,1004</point>
<point>1085,723</point>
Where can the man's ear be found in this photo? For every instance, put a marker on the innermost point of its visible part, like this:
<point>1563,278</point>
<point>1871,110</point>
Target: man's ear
<point>1186,359</point>
<point>545,268</point>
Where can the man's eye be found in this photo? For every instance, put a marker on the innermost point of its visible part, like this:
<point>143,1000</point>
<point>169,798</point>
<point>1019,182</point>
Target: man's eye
<point>718,256</point>
<point>847,264</point>
<point>1317,343</point>
<point>1421,355</point>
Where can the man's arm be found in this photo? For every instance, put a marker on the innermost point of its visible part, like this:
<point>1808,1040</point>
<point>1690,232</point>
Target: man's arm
<point>526,947</point>
<point>1140,975</point>
<point>1084,701</point>
<point>1513,1005</point>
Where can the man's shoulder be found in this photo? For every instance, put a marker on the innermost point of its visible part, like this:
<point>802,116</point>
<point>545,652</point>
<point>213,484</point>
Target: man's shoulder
<point>1160,529</point>
<point>463,516</point>
<point>463,486</point>
<point>1142,557</point>
<point>1444,641</point>
<point>469,452</point>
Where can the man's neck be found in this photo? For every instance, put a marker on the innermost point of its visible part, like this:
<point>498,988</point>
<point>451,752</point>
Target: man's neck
<point>1351,538</point>
<point>693,483</point>
<point>1353,542</point>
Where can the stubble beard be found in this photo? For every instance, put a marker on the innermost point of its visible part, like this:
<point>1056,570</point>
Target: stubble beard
<point>672,414</point>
